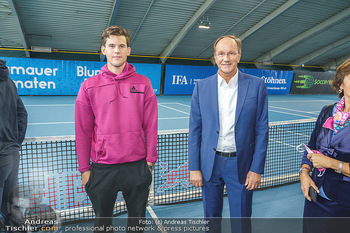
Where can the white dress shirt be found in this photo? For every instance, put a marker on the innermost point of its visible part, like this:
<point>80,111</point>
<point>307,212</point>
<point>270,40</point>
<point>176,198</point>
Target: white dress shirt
<point>227,101</point>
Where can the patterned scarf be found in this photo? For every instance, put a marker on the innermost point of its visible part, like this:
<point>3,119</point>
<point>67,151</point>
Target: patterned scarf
<point>340,118</point>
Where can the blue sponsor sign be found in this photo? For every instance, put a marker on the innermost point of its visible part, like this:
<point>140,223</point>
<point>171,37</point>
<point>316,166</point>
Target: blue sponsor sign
<point>55,77</point>
<point>277,82</point>
<point>180,80</point>
<point>151,71</point>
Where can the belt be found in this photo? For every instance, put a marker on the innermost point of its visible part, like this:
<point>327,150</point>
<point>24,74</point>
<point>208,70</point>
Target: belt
<point>226,154</point>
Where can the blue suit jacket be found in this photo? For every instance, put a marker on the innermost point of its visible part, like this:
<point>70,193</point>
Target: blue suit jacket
<point>251,125</point>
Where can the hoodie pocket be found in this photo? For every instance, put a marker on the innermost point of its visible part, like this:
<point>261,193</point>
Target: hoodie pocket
<point>111,146</point>
<point>100,148</point>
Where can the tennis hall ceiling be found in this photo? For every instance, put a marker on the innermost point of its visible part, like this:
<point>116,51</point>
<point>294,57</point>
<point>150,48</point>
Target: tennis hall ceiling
<point>294,33</point>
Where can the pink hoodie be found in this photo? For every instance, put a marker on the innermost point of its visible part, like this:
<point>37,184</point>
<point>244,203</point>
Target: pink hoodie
<point>116,119</point>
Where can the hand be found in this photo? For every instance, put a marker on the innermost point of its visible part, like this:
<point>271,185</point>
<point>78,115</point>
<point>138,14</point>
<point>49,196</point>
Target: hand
<point>85,176</point>
<point>151,164</point>
<point>253,180</point>
<point>306,182</point>
<point>319,160</point>
<point>196,178</point>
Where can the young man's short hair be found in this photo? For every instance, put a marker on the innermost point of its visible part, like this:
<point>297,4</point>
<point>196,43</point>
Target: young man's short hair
<point>115,31</point>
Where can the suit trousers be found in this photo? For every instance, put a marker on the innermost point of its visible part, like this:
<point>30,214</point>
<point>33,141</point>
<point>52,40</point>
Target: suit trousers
<point>239,198</point>
<point>106,180</point>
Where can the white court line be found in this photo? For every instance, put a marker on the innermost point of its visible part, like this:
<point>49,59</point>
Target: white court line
<point>286,144</point>
<point>50,123</point>
<point>292,101</point>
<point>172,118</point>
<point>293,132</point>
<point>178,104</point>
<point>173,109</point>
<point>48,105</point>
<point>290,113</point>
<point>293,110</point>
<point>156,220</point>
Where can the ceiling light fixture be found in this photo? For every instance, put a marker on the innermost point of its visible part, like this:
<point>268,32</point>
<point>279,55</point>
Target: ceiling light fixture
<point>204,23</point>
<point>267,63</point>
<point>41,49</point>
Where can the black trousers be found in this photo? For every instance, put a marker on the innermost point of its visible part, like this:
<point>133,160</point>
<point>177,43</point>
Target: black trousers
<point>106,180</point>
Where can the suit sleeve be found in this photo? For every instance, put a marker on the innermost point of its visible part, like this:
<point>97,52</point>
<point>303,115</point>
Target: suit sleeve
<point>261,131</point>
<point>84,126</point>
<point>150,124</point>
<point>195,132</point>
<point>22,120</point>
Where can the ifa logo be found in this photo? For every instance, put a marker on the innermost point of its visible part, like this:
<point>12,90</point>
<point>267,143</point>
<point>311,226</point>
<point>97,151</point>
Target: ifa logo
<point>179,80</point>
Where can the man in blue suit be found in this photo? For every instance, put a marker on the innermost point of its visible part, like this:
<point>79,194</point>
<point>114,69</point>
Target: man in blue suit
<point>228,133</point>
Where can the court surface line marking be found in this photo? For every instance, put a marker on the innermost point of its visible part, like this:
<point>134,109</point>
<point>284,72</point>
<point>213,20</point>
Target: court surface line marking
<point>48,105</point>
<point>173,109</point>
<point>286,144</point>
<point>288,109</point>
<point>179,104</point>
<point>172,118</point>
<point>290,113</point>
<point>156,220</point>
<point>290,101</point>
<point>50,123</point>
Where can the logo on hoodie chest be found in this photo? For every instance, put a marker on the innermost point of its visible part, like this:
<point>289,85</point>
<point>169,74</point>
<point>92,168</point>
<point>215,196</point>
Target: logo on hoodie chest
<point>134,90</point>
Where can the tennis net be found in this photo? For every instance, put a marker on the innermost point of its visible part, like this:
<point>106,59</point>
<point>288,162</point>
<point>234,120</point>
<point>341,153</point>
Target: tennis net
<point>50,183</point>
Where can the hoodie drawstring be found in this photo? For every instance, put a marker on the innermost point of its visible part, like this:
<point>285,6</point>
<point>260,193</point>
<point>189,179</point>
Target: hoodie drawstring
<point>119,91</point>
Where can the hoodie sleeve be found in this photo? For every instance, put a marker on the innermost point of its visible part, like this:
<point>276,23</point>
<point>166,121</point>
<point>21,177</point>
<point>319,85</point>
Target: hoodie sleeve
<point>84,126</point>
<point>150,124</point>
<point>22,120</point>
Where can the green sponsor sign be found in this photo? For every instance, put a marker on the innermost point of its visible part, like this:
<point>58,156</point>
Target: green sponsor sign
<point>312,83</point>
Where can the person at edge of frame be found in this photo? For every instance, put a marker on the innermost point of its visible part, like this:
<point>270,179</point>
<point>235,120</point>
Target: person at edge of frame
<point>116,119</point>
<point>325,173</point>
<point>13,126</point>
<point>228,136</point>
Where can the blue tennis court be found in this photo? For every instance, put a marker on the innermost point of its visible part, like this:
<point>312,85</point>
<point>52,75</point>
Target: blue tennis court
<point>54,115</point>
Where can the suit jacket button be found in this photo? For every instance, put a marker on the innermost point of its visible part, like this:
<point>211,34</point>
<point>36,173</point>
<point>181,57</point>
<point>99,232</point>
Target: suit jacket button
<point>217,132</point>
<point>214,149</point>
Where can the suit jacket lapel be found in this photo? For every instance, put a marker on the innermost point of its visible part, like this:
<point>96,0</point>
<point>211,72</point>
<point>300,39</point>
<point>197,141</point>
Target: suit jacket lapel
<point>212,97</point>
<point>243,85</point>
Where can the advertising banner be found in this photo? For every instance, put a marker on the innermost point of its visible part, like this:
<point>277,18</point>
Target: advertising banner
<point>306,82</point>
<point>58,77</point>
<point>180,80</point>
<point>277,82</point>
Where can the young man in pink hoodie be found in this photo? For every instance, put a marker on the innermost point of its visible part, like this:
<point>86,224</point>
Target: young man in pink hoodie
<point>116,121</point>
